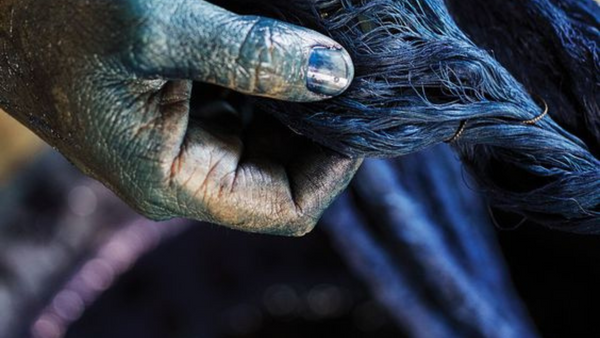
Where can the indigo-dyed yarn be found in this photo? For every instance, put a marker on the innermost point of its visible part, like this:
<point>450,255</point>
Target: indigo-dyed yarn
<point>548,46</point>
<point>420,78</point>
<point>422,241</point>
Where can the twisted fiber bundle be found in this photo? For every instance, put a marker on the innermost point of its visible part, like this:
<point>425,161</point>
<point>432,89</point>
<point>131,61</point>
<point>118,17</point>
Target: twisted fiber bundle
<point>421,81</point>
<point>421,240</point>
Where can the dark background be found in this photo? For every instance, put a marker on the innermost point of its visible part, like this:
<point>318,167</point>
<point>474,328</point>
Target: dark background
<point>203,282</point>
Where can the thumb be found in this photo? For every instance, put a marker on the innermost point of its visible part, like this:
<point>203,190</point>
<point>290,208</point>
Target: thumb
<point>254,55</point>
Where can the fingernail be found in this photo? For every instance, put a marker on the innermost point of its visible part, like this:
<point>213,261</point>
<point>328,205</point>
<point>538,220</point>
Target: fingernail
<point>330,71</point>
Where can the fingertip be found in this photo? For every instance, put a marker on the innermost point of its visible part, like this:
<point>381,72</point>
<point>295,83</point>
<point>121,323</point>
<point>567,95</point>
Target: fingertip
<point>330,71</point>
<point>292,63</point>
<point>250,54</point>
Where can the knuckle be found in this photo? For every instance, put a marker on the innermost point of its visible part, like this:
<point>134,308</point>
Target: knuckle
<point>148,31</point>
<point>253,38</point>
<point>146,49</point>
<point>261,57</point>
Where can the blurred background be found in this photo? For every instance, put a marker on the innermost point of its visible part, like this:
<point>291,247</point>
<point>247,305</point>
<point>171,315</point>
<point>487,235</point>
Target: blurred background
<point>76,262</point>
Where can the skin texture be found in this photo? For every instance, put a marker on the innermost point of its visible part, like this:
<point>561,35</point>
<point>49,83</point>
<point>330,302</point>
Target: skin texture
<point>108,83</point>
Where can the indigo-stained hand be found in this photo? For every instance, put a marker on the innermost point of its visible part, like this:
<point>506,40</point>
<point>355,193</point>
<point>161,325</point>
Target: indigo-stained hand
<point>109,83</point>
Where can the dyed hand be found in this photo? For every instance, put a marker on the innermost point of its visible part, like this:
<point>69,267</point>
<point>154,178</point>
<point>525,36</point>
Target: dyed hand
<point>108,83</point>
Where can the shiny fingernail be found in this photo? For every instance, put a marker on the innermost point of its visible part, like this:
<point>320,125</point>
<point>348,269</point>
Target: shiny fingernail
<point>330,71</point>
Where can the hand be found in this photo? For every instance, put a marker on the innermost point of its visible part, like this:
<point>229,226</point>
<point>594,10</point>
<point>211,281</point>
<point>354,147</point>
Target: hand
<point>109,84</point>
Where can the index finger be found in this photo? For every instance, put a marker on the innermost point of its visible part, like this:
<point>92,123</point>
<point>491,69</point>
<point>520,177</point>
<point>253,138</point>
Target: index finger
<point>254,55</point>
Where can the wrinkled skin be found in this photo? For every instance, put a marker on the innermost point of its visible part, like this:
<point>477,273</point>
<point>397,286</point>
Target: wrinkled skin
<point>108,83</point>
